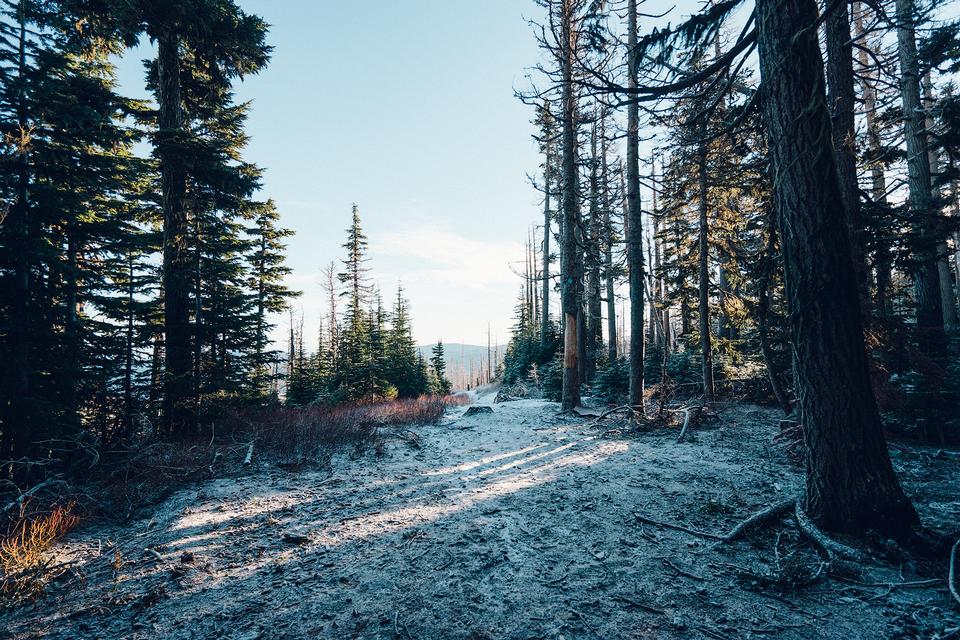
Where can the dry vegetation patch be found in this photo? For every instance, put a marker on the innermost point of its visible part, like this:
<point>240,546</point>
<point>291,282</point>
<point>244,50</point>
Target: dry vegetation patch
<point>24,563</point>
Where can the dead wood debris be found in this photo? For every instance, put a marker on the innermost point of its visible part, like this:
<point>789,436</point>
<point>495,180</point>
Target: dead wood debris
<point>249,457</point>
<point>683,572</point>
<point>676,527</point>
<point>691,414</point>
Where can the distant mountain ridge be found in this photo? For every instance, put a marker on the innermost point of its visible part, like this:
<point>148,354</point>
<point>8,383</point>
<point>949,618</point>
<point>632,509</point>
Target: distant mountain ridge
<point>462,359</point>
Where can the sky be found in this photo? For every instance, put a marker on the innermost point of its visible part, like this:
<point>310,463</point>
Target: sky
<point>406,109</point>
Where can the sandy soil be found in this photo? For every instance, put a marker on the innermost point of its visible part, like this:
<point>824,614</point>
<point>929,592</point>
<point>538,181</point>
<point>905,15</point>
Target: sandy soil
<point>516,524</point>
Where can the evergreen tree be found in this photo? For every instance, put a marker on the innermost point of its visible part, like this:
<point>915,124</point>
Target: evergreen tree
<point>401,366</point>
<point>354,364</point>
<point>438,366</point>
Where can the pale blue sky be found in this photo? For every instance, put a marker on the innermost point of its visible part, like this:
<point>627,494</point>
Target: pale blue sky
<point>407,109</point>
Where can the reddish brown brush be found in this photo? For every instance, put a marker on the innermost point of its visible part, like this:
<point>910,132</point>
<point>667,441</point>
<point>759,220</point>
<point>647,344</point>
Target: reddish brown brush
<point>22,551</point>
<point>309,431</point>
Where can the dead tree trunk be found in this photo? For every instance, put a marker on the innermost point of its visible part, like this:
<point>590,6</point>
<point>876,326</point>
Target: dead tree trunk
<point>706,347</point>
<point>851,485</point>
<point>634,218</point>
<point>569,252</point>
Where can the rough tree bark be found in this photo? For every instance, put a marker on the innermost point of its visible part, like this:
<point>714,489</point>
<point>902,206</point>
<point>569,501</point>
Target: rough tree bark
<point>569,252</point>
<point>926,277</point>
<point>851,486</point>
<point>634,221</point>
<point>176,255</point>
<point>706,347</point>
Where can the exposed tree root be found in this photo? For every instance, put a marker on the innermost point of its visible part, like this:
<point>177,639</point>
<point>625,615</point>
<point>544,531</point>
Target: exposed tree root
<point>952,576</point>
<point>828,545</point>
<point>759,519</point>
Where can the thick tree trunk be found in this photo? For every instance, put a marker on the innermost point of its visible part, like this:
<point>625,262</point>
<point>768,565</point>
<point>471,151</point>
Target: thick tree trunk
<point>955,190</point>
<point>706,347</point>
<point>926,277</point>
<point>176,254</point>
<point>570,255</point>
<point>851,485</point>
<point>842,102</point>
<point>634,222</point>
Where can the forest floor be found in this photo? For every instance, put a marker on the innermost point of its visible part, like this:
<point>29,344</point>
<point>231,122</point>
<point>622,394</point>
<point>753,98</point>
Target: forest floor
<point>515,524</point>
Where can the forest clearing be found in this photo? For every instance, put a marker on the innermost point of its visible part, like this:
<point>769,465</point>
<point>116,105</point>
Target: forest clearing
<point>553,319</point>
<point>521,523</point>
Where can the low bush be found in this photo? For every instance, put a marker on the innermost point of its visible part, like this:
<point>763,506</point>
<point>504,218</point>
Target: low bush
<point>25,568</point>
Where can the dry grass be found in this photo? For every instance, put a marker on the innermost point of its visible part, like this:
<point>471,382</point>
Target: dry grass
<point>22,551</point>
<point>312,433</point>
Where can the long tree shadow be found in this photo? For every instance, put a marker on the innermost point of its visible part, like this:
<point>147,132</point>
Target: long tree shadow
<point>516,540</point>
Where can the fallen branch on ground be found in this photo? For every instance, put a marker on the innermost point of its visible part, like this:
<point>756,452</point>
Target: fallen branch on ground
<point>154,553</point>
<point>249,457</point>
<point>676,527</point>
<point>912,584</point>
<point>609,412</point>
<point>690,415</point>
<point>29,493</point>
<point>683,572</point>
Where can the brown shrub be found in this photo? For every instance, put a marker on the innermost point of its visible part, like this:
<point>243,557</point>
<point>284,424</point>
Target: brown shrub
<point>22,551</point>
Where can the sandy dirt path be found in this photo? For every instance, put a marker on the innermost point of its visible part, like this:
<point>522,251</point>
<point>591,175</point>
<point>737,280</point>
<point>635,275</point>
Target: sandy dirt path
<point>516,524</point>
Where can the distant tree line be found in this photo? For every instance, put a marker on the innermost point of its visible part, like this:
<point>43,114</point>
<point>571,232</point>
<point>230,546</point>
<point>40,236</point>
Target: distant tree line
<point>367,352</point>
